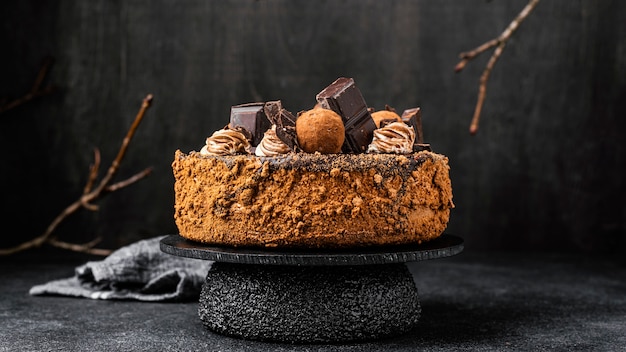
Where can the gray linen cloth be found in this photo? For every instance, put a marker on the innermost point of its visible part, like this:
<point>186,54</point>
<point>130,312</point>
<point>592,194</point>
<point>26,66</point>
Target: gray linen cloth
<point>139,271</point>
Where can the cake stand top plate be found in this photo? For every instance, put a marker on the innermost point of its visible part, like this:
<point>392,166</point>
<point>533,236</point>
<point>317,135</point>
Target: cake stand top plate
<point>445,245</point>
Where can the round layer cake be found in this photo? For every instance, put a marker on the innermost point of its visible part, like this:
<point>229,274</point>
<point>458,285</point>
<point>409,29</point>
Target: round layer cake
<point>311,200</point>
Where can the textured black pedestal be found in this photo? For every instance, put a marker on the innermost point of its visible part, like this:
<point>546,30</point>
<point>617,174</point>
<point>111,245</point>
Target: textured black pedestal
<point>310,296</point>
<point>306,304</point>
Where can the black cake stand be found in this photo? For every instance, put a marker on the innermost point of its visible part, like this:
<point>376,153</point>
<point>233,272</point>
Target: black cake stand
<point>315,296</point>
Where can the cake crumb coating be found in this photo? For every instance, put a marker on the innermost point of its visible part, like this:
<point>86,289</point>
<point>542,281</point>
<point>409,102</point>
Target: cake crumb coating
<point>303,200</point>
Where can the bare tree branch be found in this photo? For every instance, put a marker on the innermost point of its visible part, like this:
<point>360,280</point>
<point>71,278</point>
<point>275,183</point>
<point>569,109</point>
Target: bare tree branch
<point>499,44</point>
<point>89,195</point>
<point>36,91</point>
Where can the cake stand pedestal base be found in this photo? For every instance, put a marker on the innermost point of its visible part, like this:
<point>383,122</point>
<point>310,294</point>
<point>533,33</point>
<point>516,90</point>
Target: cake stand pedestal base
<point>311,296</point>
<point>309,304</point>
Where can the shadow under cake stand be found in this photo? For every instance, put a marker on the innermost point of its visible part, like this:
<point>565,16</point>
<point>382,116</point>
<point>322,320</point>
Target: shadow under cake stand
<point>316,296</point>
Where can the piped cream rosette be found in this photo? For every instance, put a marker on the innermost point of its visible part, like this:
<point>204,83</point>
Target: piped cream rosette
<point>225,142</point>
<point>271,145</point>
<point>396,137</point>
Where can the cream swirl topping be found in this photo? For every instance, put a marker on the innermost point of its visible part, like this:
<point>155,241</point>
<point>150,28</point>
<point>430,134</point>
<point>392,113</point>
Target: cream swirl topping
<point>225,142</point>
<point>396,137</point>
<point>271,145</point>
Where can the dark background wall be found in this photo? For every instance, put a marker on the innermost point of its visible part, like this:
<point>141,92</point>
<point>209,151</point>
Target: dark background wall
<point>544,172</point>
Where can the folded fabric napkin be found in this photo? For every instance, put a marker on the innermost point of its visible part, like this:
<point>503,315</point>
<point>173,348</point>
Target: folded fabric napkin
<point>139,271</point>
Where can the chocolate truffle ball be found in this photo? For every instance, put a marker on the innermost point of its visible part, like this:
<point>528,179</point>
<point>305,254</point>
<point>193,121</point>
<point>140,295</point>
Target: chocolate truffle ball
<point>320,130</point>
<point>385,116</point>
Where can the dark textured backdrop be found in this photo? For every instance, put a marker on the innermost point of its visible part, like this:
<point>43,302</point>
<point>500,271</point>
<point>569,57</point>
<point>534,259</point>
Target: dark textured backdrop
<point>544,172</point>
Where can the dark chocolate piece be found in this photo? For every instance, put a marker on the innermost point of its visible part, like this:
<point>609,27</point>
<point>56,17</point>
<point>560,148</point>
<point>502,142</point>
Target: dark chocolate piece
<point>389,108</point>
<point>251,117</point>
<point>343,97</point>
<point>285,123</point>
<point>272,110</point>
<point>418,147</point>
<point>359,134</point>
<point>413,118</point>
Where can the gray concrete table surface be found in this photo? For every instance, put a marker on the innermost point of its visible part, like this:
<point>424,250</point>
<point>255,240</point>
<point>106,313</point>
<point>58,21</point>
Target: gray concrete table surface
<point>470,302</point>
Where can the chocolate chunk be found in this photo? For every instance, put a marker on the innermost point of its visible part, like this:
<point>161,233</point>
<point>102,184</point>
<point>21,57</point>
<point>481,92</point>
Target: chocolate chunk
<point>285,123</point>
<point>250,117</point>
<point>389,108</point>
<point>413,118</point>
<point>359,134</point>
<point>343,97</point>
<point>272,110</point>
<point>418,147</point>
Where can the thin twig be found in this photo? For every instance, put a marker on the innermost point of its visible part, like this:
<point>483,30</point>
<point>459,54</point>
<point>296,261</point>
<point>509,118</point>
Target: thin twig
<point>36,90</point>
<point>90,195</point>
<point>499,44</point>
<point>129,136</point>
<point>93,171</point>
<point>119,185</point>
<point>83,248</point>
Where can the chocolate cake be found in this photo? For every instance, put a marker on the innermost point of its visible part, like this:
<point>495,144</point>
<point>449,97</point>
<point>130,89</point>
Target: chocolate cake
<point>266,180</point>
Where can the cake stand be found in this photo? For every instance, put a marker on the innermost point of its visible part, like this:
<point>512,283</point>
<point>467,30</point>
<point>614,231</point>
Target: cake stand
<point>316,296</point>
